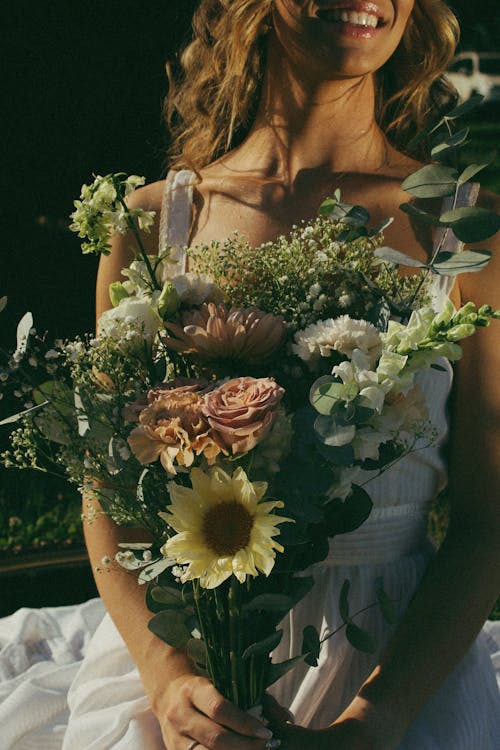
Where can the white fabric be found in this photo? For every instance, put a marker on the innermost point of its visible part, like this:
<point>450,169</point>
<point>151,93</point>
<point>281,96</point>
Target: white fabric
<point>67,681</point>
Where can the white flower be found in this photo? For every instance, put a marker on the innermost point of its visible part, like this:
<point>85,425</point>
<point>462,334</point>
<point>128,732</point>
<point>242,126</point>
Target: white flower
<point>131,310</point>
<point>195,289</point>
<point>100,213</point>
<point>358,372</point>
<point>342,334</point>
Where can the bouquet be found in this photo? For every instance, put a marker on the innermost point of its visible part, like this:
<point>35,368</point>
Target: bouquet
<point>240,423</point>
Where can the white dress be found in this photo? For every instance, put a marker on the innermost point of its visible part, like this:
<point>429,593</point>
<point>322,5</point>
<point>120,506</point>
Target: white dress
<point>107,708</point>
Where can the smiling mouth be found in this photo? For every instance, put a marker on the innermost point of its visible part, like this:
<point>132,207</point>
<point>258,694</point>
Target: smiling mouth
<point>351,17</point>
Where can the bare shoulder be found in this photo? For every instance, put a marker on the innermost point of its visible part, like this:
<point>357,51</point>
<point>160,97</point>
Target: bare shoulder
<point>149,197</point>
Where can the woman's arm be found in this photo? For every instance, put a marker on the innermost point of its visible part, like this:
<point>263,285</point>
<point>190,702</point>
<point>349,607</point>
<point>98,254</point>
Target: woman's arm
<point>461,584</point>
<point>187,705</point>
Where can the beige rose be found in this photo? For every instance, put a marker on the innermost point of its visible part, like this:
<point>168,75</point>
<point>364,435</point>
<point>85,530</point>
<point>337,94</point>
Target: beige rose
<point>131,412</point>
<point>242,411</point>
<point>174,429</point>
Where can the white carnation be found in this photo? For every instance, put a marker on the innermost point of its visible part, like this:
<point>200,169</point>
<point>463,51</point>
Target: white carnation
<point>342,334</point>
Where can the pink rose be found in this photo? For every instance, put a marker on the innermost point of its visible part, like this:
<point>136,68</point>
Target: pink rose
<point>242,411</point>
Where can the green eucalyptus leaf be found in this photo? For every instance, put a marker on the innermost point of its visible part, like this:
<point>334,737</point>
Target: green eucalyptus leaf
<point>380,227</point>
<point>468,261</point>
<point>326,392</point>
<point>395,256</point>
<point>3,303</point>
<point>328,206</point>
<point>360,639</point>
<point>357,216</point>
<point>431,181</point>
<point>473,169</point>
<point>52,426</point>
<point>462,109</point>
<point>57,393</point>
<point>449,143</point>
<point>334,432</point>
<point>344,601</point>
<point>276,671</point>
<point>386,604</point>
<point>311,645</point>
<point>269,603</point>
<point>471,223</point>
<point>426,132</point>
<point>170,626</point>
<point>168,596</point>
<point>197,651</point>
<point>265,646</point>
<point>21,414</point>
<point>354,233</point>
<point>347,515</point>
<point>423,216</point>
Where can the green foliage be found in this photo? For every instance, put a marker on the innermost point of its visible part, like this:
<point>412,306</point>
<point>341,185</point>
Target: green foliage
<point>37,512</point>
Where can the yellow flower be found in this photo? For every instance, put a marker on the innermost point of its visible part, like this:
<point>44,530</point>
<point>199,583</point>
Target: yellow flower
<point>222,526</point>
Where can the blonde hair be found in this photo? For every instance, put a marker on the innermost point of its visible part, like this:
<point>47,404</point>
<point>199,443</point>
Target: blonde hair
<point>213,96</point>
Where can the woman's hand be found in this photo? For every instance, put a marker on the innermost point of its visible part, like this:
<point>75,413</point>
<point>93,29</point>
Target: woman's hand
<point>345,734</point>
<point>192,710</point>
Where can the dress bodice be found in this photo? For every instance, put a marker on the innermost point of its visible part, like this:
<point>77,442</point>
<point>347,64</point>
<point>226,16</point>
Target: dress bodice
<point>402,494</point>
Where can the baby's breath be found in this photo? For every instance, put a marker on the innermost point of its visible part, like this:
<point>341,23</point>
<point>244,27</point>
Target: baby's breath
<point>307,274</point>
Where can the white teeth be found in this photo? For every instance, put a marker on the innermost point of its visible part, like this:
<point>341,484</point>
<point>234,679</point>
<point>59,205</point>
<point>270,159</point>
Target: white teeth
<point>356,19</point>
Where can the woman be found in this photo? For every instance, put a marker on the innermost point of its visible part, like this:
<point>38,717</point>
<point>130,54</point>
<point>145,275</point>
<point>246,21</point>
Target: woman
<point>282,102</point>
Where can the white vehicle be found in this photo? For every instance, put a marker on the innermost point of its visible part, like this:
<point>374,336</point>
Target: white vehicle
<point>476,73</point>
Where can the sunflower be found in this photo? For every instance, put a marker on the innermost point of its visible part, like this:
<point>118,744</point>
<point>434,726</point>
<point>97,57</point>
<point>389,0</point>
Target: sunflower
<point>222,527</point>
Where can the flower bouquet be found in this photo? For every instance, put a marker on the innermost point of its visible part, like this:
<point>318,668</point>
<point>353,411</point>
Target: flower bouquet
<point>240,423</point>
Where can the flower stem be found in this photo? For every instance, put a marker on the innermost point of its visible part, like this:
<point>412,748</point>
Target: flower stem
<point>136,234</point>
<point>237,686</point>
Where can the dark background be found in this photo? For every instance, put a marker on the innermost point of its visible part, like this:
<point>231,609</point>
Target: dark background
<point>83,84</point>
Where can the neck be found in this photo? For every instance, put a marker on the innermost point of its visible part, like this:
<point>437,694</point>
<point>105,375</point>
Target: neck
<point>308,125</point>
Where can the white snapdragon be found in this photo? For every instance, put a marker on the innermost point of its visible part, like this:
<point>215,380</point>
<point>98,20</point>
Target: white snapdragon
<point>358,372</point>
<point>100,212</point>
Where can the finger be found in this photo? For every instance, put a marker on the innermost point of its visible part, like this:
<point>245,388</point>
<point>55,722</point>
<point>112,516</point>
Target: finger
<point>211,703</point>
<point>275,712</point>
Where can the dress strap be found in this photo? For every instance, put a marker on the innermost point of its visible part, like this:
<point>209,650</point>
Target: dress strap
<point>442,286</point>
<point>176,215</point>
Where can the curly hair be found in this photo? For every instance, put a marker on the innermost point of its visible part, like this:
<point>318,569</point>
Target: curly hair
<point>214,93</point>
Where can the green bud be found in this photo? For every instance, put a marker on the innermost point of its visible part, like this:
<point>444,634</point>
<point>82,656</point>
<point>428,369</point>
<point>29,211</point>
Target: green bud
<point>168,301</point>
<point>467,309</point>
<point>486,310</point>
<point>443,318</point>
<point>496,315</point>
<point>117,292</point>
<point>460,332</point>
